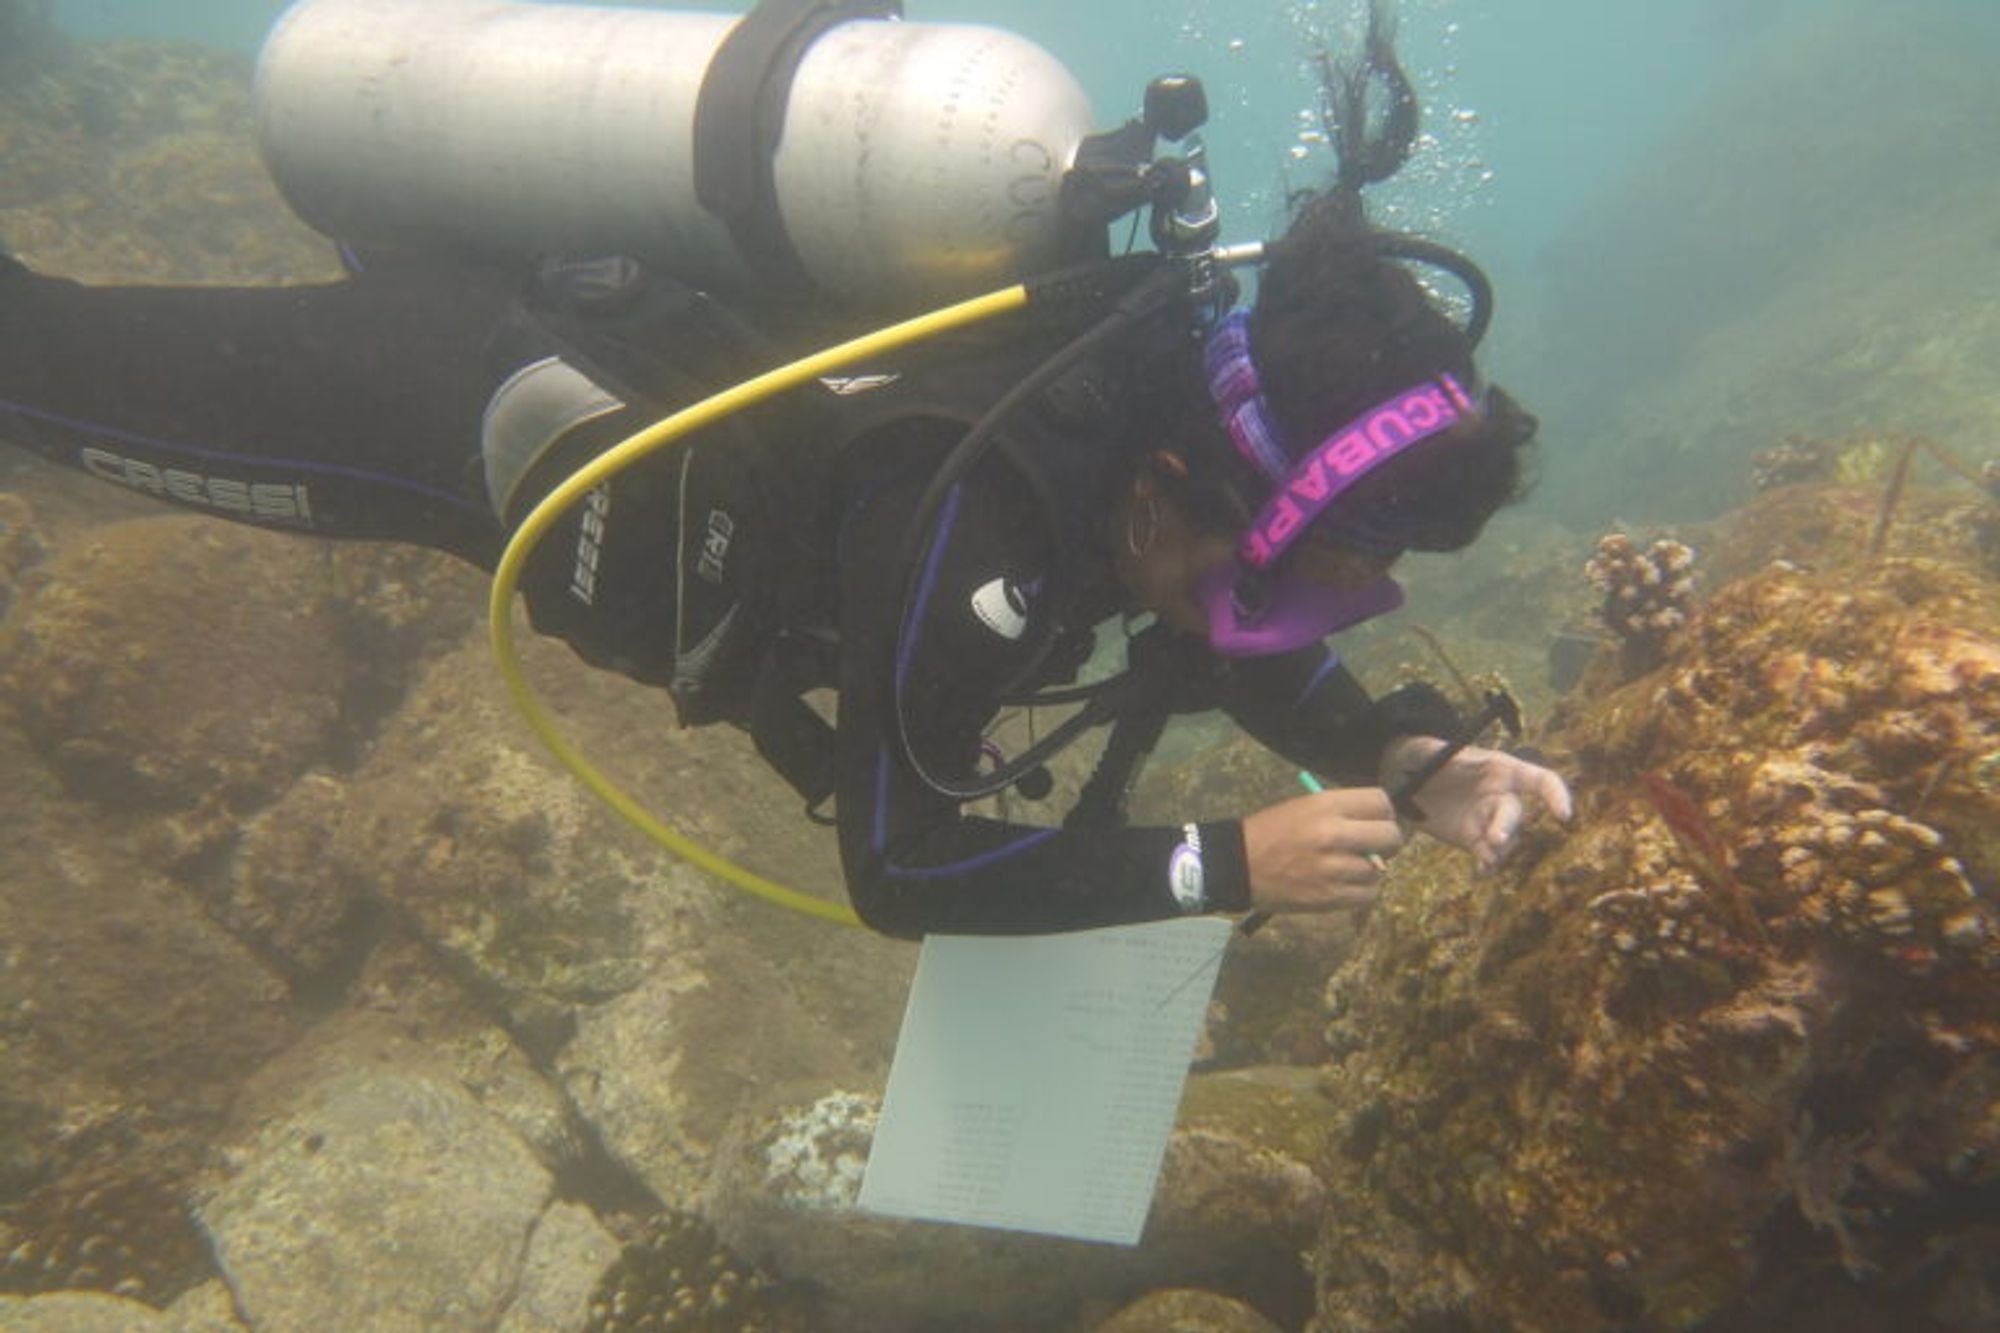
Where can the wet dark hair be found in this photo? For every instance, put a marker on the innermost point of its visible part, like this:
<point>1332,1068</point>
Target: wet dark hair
<point>1339,326</point>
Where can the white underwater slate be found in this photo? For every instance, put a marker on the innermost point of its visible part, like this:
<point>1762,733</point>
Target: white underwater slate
<point>1037,1079</point>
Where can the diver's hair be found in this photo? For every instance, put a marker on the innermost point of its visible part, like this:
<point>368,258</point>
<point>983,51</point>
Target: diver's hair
<point>1339,327</point>
<point>1343,106</point>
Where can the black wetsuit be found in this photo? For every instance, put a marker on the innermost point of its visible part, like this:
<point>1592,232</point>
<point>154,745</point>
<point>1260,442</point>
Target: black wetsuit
<point>354,410</point>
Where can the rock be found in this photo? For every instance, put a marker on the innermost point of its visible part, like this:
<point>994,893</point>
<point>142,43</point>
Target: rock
<point>284,889</point>
<point>386,1192</point>
<point>1236,1202</point>
<point>158,680</point>
<point>784,1199</point>
<point>80,1312</point>
<point>667,1003</point>
<point>1186,1312</point>
<point>127,1018</point>
<point>134,161</point>
<point>110,1222</point>
<point>208,1308</point>
<point>22,546</point>
<point>675,1276</point>
<point>1238,1198</point>
<point>493,854</point>
<point>567,1255</point>
<point>1731,1030</point>
<point>712,1036</point>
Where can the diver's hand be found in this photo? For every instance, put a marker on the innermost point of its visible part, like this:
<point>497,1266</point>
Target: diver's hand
<point>1320,852</point>
<point>1478,800</point>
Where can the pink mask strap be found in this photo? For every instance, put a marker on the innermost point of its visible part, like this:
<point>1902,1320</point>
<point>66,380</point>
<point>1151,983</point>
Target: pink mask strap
<point>1344,457</point>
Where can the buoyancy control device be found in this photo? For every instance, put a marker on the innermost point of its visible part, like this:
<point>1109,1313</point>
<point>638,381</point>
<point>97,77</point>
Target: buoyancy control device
<point>821,160</point>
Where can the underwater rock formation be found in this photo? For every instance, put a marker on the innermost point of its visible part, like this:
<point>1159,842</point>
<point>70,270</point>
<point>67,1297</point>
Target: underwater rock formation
<point>136,161</point>
<point>371,1181</point>
<point>156,679</point>
<point>1735,1026</point>
<point>107,1227</point>
<point>127,1019</point>
<point>1186,1312</point>
<point>1795,460</point>
<point>1237,1201</point>
<point>676,1277</point>
<point>82,1312</point>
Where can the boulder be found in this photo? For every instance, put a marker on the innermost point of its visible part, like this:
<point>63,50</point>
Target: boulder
<point>80,1312</point>
<point>159,679</point>
<point>384,1191</point>
<point>1186,1312</point>
<point>1237,1201</point>
<point>1731,1029</point>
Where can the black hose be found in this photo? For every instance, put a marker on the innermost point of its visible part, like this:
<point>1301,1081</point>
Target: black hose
<point>1161,287</point>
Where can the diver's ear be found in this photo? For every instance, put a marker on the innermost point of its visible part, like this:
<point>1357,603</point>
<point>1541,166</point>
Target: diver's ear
<point>1157,473</point>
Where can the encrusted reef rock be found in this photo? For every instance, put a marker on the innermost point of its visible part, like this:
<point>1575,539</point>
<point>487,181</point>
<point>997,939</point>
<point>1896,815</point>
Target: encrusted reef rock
<point>81,1312</point>
<point>136,161</point>
<point>126,1020</point>
<point>666,1003</point>
<point>157,678</point>
<point>1737,1027</point>
<point>676,1277</point>
<point>1186,1312</point>
<point>1236,1204</point>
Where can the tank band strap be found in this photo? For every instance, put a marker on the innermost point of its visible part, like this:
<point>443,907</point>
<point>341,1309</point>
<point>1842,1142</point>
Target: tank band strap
<point>740,116</point>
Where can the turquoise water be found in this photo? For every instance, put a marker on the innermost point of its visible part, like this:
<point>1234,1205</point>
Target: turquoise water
<point>1537,115</point>
<point>1514,77</point>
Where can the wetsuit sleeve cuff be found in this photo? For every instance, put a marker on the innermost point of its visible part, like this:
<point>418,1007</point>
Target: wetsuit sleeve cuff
<point>1226,865</point>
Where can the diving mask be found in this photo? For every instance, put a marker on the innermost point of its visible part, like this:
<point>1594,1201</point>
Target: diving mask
<point>1254,605</point>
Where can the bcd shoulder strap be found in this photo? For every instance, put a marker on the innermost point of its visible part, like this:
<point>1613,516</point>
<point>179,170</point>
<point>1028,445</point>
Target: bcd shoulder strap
<point>740,116</point>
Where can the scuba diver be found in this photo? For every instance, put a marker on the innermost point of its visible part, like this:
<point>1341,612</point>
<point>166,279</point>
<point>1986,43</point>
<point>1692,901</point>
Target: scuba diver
<point>938,536</point>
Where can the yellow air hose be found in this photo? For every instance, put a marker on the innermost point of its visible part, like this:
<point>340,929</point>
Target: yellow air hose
<point>507,575</point>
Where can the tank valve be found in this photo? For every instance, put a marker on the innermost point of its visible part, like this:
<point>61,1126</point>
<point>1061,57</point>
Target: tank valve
<point>1186,219</point>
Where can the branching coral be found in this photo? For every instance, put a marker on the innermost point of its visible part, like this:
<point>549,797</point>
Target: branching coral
<point>1860,871</point>
<point>1648,595</point>
<point>1664,933</point>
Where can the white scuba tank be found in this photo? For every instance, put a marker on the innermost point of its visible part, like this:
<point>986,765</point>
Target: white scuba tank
<point>918,162</point>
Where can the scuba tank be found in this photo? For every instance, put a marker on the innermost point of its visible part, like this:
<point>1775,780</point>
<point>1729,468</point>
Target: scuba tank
<point>823,144</point>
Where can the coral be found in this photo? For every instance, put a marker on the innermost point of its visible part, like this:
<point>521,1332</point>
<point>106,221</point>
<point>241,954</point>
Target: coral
<point>816,1157</point>
<point>1858,871</point>
<point>1797,459</point>
<point>676,1277</point>
<point>103,1228</point>
<point>1663,920</point>
<point>227,701</point>
<point>1734,1029</point>
<point>1648,595</point>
